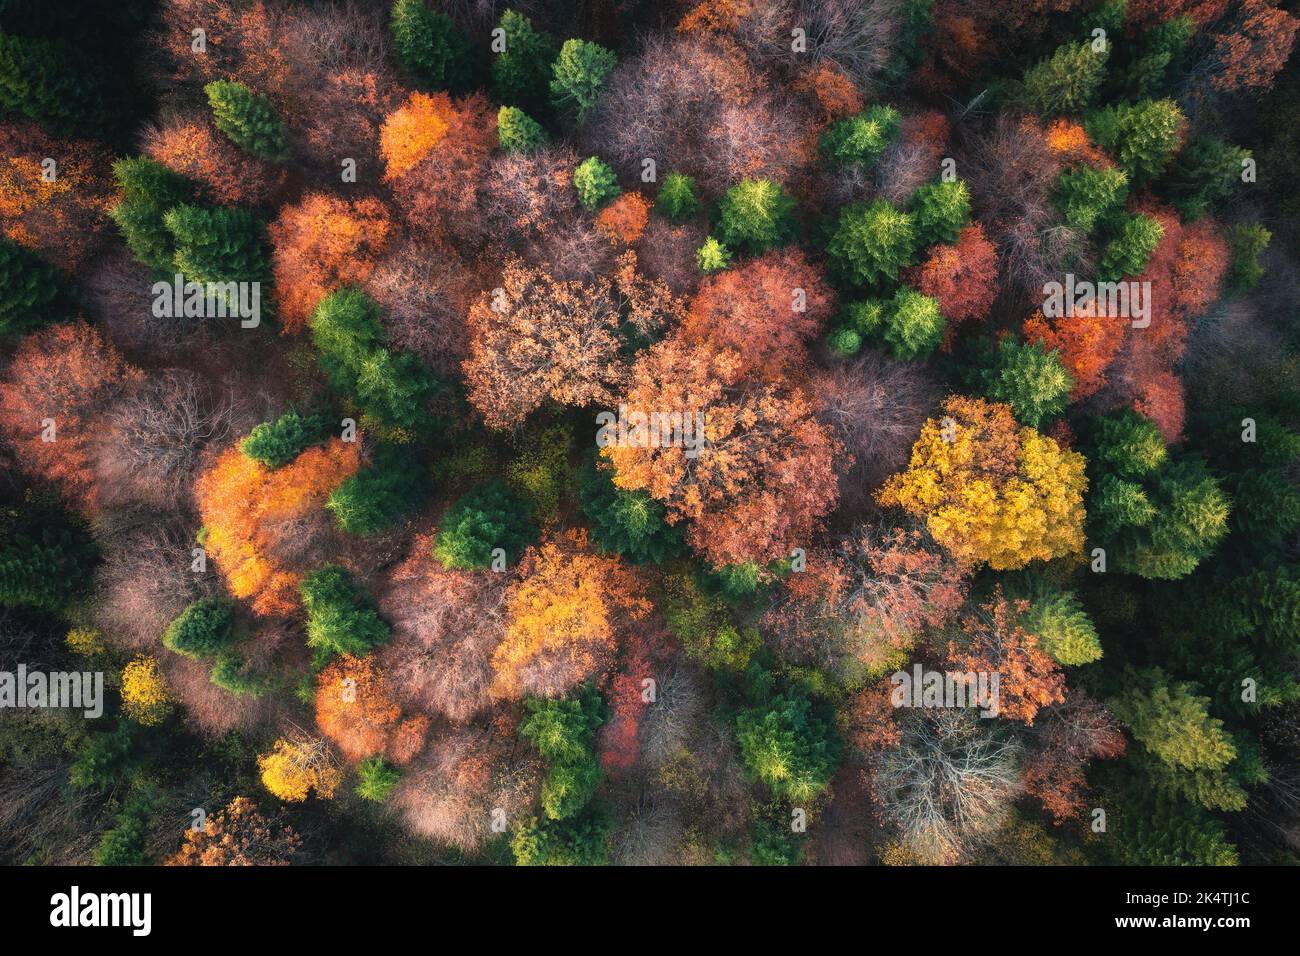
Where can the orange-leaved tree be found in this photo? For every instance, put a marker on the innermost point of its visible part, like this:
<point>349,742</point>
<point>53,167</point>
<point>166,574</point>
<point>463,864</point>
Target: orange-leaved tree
<point>239,835</point>
<point>765,472</point>
<point>435,152</point>
<point>198,150</point>
<point>1086,342</point>
<point>253,515</point>
<point>767,309</point>
<point>963,277</point>
<point>58,211</point>
<point>53,397</point>
<point>625,219</point>
<point>355,711</point>
<point>321,243</point>
<point>565,614</point>
<point>992,642</point>
<point>537,338</point>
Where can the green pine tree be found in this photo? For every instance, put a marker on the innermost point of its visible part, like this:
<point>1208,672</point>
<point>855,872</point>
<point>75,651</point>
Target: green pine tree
<point>595,182</point>
<point>1067,81</point>
<point>1031,380</point>
<point>627,522</point>
<point>32,292</point>
<point>202,629</point>
<point>54,83</point>
<point>1142,137</point>
<point>859,140</point>
<point>677,197</point>
<point>248,120</point>
<point>871,243</point>
<point>149,191</point>
<point>430,48</point>
<point>517,132</point>
<point>277,443</point>
<point>755,215</point>
<point>341,616</point>
<point>380,494</point>
<point>486,518</point>
<point>521,70</point>
<point>577,76</point>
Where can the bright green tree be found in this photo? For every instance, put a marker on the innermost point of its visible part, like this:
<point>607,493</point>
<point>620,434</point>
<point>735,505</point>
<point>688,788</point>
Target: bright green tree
<point>563,731</point>
<point>1142,137</point>
<point>871,243</point>
<point>149,190</point>
<point>1191,517</point>
<point>277,443</point>
<point>1172,722</point>
<point>577,76</point>
<point>1058,620</point>
<point>859,140</point>
<point>910,323</point>
<point>677,197</point>
<point>595,182</point>
<point>1031,380</point>
<point>940,211</point>
<point>712,257</point>
<point>391,388</point>
<point>1127,254</point>
<point>517,132</point>
<point>1065,82</point>
<point>754,215</point>
<point>341,616</point>
<point>786,744</point>
<point>1127,443</point>
<point>1086,195</point>
<point>627,522</point>
<point>376,779</point>
<point>488,517</point>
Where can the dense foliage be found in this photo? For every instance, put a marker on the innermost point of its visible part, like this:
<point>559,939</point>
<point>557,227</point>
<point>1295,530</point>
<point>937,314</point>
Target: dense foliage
<point>637,433</point>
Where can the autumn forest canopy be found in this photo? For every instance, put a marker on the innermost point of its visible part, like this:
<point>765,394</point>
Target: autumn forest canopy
<point>665,432</point>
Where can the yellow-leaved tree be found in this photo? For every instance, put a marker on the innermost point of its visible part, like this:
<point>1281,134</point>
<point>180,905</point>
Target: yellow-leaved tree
<point>990,490</point>
<point>298,765</point>
<point>565,617</point>
<point>144,693</point>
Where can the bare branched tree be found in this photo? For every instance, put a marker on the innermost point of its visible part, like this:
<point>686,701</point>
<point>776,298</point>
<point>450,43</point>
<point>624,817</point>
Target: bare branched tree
<point>876,406</point>
<point>948,784</point>
<point>155,435</point>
